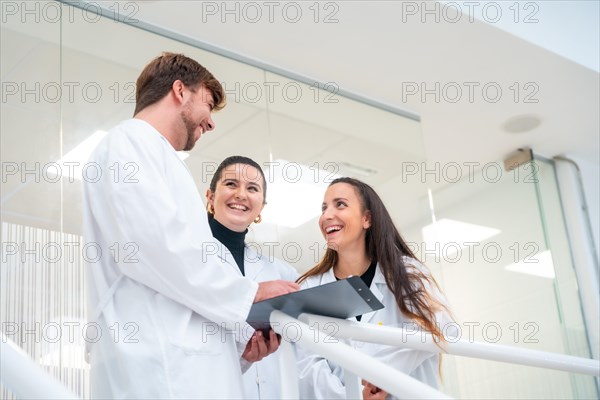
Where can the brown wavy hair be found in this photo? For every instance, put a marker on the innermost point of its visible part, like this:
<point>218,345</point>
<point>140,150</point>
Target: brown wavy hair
<point>385,244</point>
<point>158,76</point>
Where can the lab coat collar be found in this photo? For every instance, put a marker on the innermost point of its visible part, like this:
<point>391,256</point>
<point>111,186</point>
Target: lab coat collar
<point>377,285</point>
<point>225,255</point>
<point>167,143</point>
<point>376,288</point>
<point>253,263</point>
<point>327,277</point>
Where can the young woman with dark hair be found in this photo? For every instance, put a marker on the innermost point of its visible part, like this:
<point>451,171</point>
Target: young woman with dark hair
<point>363,241</point>
<point>235,199</point>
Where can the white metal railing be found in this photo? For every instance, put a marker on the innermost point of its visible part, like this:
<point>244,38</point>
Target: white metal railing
<point>456,346</point>
<point>26,379</point>
<point>392,380</point>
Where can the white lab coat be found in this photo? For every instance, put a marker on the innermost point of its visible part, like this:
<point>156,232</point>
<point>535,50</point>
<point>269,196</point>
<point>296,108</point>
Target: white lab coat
<point>322,379</point>
<point>159,299</point>
<point>262,380</point>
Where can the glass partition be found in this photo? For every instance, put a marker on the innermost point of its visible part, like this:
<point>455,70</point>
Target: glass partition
<point>499,248</point>
<point>31,303</point>
<point>68,80</point>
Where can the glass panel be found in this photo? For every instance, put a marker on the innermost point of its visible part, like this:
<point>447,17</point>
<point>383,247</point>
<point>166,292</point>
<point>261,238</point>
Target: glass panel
<point>500,276</point>
<point>30,191</point>
<point>65,82</point>
<point>565,285</point>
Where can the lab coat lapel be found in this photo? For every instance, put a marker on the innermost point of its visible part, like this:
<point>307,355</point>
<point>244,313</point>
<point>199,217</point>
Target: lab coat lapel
<point>253,264</point>
<point>376,288</point>
<point>226,256</point>
<point>327,277</point>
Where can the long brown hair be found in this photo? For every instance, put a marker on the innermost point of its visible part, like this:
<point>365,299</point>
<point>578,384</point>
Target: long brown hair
<point>385,245</point>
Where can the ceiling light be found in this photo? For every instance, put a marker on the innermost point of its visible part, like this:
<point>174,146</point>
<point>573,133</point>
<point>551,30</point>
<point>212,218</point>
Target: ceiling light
<point>522,123</point>
<point>347,169</point>
<point>447,236</point>
<point>71,165</point>
<point>295,193</point>
<point>539,265</point>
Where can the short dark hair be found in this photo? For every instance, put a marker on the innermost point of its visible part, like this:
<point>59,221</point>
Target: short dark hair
<point>158,76</point>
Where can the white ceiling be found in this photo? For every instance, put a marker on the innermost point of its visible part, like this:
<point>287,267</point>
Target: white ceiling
<point>568,28</point>
<point>375,47</point>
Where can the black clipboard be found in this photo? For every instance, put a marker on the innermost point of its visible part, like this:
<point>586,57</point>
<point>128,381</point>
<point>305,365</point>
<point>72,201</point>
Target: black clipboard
<point>343,299</point>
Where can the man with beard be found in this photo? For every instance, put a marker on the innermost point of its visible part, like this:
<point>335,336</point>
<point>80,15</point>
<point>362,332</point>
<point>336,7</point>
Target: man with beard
<point>168,310</point>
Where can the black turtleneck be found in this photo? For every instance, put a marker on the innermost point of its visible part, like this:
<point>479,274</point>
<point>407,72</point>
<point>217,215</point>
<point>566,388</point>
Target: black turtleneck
<point>367,277</point>
<point>369,274</point>
<point>234,241</point>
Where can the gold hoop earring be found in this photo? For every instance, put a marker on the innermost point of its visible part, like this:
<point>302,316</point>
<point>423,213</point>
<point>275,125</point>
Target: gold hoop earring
<point>258,219</point>
<point>210,209</point>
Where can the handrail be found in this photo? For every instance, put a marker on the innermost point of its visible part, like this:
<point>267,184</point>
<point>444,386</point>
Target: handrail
<point>26,379</point>
<point>18,370</point>
<point>380,374</point>
<point>289,376</point>
<point>456,346</point>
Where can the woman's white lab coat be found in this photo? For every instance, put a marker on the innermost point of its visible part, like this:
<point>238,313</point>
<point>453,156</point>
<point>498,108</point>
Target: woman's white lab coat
<point>322,379</point>
<point>262,380</point>
<point>163,304</point>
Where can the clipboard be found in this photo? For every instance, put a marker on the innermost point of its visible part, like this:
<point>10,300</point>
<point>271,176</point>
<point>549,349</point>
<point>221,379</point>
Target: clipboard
<point>343,299</point>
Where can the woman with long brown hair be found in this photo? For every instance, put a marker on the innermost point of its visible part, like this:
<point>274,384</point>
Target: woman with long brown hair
<point>363,241</point>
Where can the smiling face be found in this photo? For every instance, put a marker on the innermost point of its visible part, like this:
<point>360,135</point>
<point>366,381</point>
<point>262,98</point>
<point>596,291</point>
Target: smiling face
<point>238,197</point>
<point>196,115</point>
<point>343,221</point>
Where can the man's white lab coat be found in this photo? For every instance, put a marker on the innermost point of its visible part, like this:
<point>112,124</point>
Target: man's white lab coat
<point>162,304</point>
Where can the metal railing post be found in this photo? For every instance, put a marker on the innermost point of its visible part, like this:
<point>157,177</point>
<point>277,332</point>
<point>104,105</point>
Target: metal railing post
<point>25,378</point>
<point>289,371</point>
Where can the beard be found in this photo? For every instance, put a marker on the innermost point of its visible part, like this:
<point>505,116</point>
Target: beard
<point>190,128</point>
